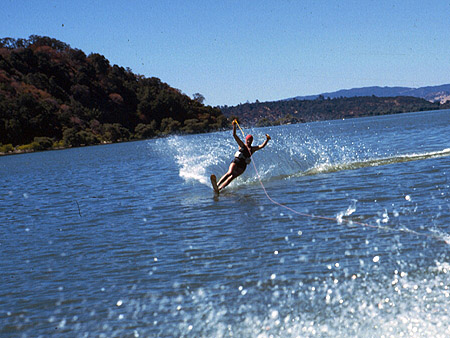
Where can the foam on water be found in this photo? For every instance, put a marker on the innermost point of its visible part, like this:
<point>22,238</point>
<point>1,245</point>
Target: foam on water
<point>374,162</point>
<point>288,154</point>
<point>196,155</point>
<point>199,156</point>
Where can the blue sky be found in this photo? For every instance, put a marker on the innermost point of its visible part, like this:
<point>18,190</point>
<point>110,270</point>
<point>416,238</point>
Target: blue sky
<point>238,51</point>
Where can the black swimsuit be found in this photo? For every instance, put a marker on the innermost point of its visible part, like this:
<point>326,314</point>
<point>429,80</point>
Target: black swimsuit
<point>242,158</point>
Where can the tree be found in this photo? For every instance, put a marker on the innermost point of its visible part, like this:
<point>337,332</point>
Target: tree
<point>198,98</point>
<point>100,63</point>
<point>145,130</point>
<point>169,125</point>
<point>70,137</point>
<point>42,143</point>
<point>115,132</point>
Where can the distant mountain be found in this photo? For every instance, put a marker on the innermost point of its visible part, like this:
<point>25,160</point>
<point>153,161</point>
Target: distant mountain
<point>320,109</point>
<point>431,93</point>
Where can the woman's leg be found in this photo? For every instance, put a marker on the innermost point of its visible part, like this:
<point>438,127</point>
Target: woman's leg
<point>235,172</point>
<point>227,174</point>
<point>227,181</point>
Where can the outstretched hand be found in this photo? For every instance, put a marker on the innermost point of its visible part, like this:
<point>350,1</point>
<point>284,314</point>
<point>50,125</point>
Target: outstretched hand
<point>268,137</point>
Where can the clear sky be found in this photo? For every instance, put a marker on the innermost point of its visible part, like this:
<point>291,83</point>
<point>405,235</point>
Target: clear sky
<point>237,51</point>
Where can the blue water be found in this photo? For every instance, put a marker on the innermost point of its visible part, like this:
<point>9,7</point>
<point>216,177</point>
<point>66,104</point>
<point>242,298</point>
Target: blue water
<point>128,240</point>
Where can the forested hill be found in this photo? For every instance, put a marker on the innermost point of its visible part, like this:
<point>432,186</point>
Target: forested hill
<point>296,111</point>
<point>53,95</point>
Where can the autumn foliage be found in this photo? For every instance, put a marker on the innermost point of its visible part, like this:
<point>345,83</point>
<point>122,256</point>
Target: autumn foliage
<point>50,91</point>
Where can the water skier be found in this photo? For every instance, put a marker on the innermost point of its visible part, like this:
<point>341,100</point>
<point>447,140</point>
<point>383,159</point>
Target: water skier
<point>241,158</point>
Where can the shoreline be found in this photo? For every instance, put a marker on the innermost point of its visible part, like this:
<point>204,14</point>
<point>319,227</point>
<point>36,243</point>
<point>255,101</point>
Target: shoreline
<point>28,151</point>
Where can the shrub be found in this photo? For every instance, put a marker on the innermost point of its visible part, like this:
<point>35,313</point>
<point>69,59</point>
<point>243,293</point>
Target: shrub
<point>87,138</point>
<point>27,147</point>
<point>70,137</point>
<point>145,130</point>
<point>115,132</point>
<point>6,148</point>
<point>42,143</point>
<point>194,126</point>
<point>58,144</point>
<point>169,125</point>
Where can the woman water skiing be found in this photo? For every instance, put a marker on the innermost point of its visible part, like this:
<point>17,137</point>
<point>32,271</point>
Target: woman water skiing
<point>241,158</point>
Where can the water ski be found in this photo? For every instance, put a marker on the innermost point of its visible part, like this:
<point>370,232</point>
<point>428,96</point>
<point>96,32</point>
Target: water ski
<point>214,184</point>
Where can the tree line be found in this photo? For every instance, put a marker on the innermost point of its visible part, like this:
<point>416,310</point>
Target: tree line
<point>52,95</point>
<point>320,109</point>
<point>55,96</point>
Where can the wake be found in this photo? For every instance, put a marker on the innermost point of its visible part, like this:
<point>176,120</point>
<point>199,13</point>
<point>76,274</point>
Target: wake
<point>327,168</point>
<point>287,156</point>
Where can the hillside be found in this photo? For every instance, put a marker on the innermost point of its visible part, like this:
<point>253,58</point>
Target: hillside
<point>55,96</point>
<point>297,111</point>
<point>430,93</point>
<point>52,95</point>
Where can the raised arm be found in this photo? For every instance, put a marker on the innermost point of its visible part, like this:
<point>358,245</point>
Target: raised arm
<point>262,145</point>
<point>238,140</point>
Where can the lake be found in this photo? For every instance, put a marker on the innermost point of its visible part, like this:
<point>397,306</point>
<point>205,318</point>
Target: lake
<point>339,229</point>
